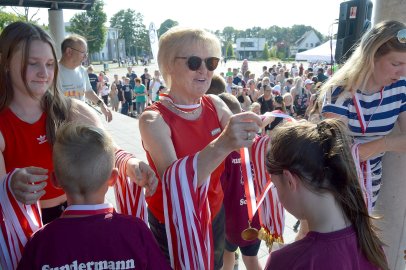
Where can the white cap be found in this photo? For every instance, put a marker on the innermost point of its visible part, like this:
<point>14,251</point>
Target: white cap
<point>308,81</point>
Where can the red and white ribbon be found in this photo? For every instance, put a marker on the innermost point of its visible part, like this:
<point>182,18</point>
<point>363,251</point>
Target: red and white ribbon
<point>187,216</point>
<point>278,113</point>
<point>260,192</point>
<point>130,198</point>
<point>364,175</point>
<point>88,210</point>
<point>360,115</point>
<point>17,223</point>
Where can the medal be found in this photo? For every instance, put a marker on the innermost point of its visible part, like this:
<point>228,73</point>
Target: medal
<point>249,234</point>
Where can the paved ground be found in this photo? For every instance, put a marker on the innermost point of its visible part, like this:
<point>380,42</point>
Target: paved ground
<point>125,132</point>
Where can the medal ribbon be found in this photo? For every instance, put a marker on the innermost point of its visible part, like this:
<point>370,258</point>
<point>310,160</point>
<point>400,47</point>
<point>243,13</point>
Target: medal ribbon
<point>87,210</point>
<point>364,167</point>
<point>360,115</point>
<point>364,176</point>
<point>17,223</point>
<point>271,214</point>
<point>130,198</point>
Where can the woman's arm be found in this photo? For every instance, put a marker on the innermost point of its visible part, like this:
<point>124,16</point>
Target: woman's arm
<point>157,141</point>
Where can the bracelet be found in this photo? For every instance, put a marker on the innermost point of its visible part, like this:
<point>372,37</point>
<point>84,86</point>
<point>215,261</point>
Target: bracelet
<point>99,102</point>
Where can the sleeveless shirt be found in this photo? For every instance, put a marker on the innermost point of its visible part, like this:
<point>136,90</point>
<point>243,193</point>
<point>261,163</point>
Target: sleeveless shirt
<point>27,145</point>
<point>189,137</point>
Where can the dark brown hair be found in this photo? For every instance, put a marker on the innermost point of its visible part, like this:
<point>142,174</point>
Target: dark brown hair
<point>19,36</point>
<point>328,167</point>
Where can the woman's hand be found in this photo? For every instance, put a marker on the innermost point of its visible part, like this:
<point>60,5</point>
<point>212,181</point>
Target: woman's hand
<point>27,184</point>
<point>142,175</point>
<point>240,131</point>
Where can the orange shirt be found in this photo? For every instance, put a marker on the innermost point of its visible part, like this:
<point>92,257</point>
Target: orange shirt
<point>189,137</point>
<point>26,145</point>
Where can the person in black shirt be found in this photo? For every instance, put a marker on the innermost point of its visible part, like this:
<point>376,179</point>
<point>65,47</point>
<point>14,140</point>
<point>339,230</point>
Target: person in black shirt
<point>93,78</point>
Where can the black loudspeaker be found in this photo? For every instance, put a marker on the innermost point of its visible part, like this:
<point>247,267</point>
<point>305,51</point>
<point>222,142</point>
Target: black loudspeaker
<point>354,21</point>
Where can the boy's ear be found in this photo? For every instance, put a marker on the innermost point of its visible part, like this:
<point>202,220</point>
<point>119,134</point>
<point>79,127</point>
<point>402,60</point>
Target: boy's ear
<point>113,177</point>
<point>291,180</point>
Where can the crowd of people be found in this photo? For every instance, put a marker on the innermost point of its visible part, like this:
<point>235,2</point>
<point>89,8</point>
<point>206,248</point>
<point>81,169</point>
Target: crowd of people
<point>293,137</point>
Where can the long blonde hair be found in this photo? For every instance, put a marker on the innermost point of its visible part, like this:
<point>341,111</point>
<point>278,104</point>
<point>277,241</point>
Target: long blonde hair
<point>377,42</point>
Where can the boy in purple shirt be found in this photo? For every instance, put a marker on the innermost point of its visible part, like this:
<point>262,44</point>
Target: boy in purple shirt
<point>90,234</point>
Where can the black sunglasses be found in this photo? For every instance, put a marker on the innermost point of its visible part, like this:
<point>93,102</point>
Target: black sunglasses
<point>194,62</point>
<point>401,36</point>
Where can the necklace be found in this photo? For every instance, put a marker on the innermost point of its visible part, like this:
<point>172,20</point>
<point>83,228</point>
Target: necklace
<point>187,109</point>
<point>184,111</point>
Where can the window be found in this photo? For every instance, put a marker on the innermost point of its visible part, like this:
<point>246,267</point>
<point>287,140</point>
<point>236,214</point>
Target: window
<point>311,45</point>
<point>247,44</point>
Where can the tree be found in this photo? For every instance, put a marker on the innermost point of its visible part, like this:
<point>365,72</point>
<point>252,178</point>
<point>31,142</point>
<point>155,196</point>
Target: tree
<point>132,30</point>
<point>166,25</point>
<point>229,50</point>
<point>6,18</point>
<point>265,52</point>
<point>90,24</point>
<point>25,14</point>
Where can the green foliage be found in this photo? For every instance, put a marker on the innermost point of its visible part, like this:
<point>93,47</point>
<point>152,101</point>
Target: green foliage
<point>265,52</point>
<point>280,55</point>
<point>229,50</point>
<point>6,18</point>
<point>165,26</point>
<point>90,24</point>
<point>273,52</point>
<point>132,30</point>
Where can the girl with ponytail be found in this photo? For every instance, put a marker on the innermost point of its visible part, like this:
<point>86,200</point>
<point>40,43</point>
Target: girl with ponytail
<point>323,189</point>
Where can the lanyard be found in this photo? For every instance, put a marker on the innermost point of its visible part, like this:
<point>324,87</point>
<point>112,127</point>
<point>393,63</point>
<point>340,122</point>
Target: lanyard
<point>360,115</point>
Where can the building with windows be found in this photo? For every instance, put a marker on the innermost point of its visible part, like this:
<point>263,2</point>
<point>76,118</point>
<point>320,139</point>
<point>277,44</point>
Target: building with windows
<point>249,48</point>
<point>113,49</point>
<point>309,40</point>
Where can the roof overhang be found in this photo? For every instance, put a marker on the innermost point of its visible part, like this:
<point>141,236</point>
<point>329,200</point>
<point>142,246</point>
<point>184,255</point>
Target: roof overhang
<point>51,4</point>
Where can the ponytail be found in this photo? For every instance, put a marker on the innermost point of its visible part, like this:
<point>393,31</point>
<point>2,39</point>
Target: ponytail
<point>328,167</point>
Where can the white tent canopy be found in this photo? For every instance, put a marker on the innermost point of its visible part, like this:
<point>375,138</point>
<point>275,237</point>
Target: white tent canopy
<point>320,53</point>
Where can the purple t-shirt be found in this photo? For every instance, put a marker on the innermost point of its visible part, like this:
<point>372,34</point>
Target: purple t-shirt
<point>104,241</point>
<point>334,251</point>
<point>235,203</point>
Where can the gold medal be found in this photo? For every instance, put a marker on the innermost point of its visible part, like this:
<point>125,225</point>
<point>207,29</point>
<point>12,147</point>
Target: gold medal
<point>249,234</point>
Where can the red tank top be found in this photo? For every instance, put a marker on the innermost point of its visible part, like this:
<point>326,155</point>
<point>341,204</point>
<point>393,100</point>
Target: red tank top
<point>203,130</point>
<point>26,145</point>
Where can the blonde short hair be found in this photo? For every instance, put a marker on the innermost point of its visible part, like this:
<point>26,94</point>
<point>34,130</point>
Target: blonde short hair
<point>176,39</point>
<point>83,157</point>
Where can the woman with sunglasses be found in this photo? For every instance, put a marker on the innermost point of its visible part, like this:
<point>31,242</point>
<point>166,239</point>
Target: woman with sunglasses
<point>369,94</point>
<point>187,135</point>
